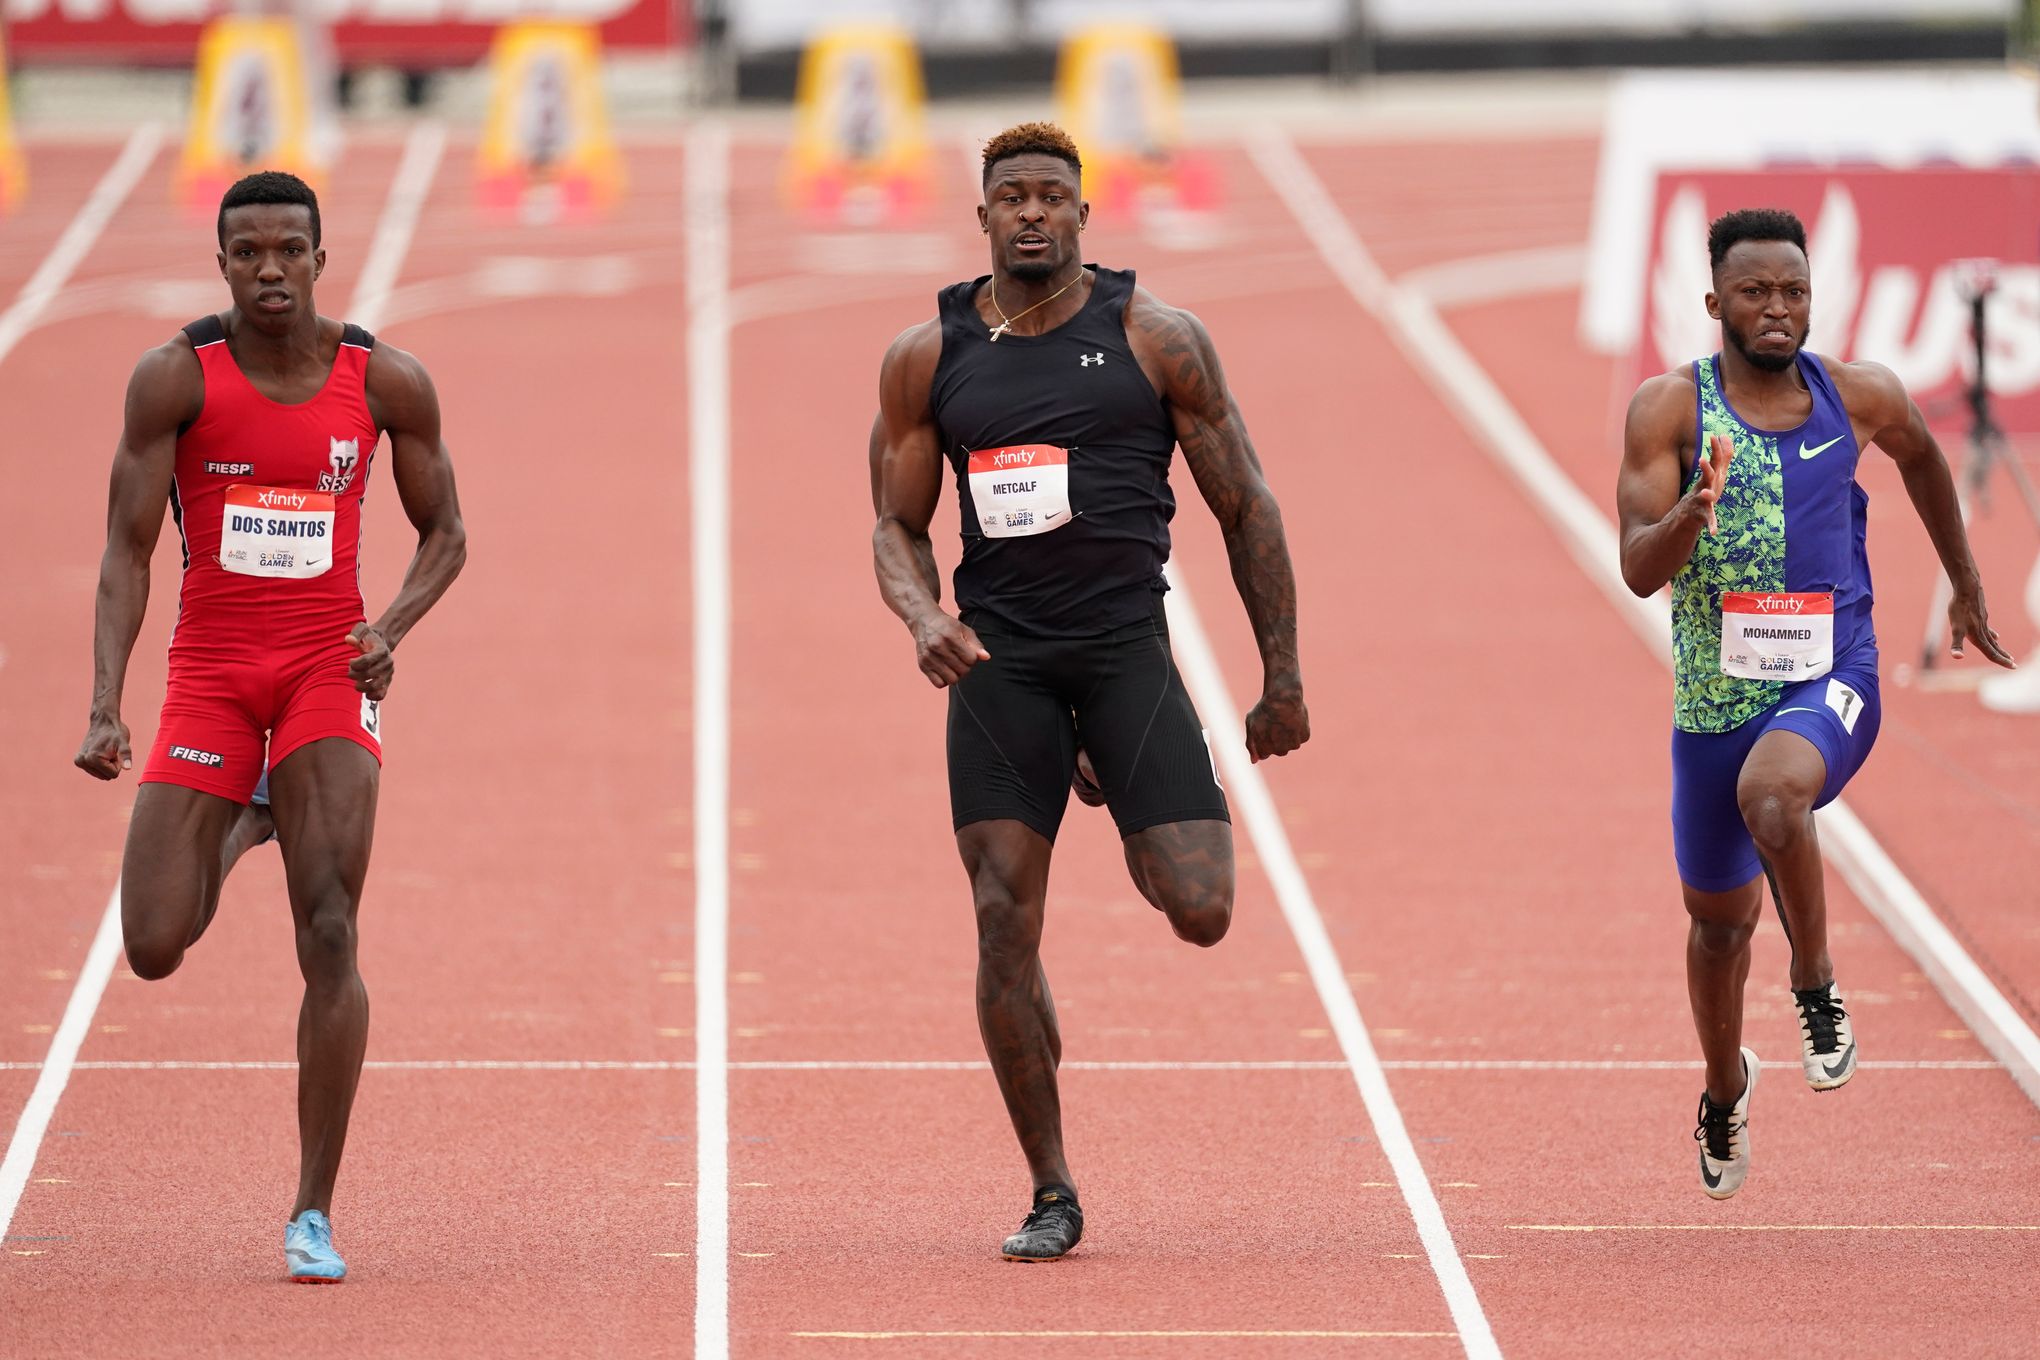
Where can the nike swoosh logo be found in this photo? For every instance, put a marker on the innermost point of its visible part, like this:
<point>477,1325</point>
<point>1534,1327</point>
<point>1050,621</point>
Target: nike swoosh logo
<point>1713,1181</point>
<point>1053,514</point>
<point>1841,1063</point>
<point>1805,452</point>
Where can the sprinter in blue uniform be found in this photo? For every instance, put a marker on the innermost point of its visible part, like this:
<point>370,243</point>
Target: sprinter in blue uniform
<point>1738,488</point>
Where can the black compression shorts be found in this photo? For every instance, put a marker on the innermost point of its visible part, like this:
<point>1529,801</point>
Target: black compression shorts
<point>1016,721</point>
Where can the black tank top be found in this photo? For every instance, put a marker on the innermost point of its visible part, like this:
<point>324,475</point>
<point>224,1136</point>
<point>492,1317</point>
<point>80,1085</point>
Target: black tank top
<point>1077,387</point>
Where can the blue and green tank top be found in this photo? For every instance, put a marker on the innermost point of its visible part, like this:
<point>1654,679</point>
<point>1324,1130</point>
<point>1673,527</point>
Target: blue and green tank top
<point>1792,518</point>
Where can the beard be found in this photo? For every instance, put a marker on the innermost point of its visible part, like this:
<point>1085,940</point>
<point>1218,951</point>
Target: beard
<point>1031,270</point>
<point>1768,363</point>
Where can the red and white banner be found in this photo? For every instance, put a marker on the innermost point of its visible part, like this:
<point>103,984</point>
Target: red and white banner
<point>1889,251</point>
<point>421,33</point>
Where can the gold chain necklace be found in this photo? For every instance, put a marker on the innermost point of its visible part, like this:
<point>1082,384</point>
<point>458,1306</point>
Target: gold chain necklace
<point>1006,322</point>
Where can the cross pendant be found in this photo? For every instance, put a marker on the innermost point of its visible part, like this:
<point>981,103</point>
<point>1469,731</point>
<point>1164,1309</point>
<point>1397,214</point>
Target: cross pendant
<point>1000,330</point>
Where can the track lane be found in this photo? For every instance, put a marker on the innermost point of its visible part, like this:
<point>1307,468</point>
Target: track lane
<point>851,936</point>
<point>529,900</point>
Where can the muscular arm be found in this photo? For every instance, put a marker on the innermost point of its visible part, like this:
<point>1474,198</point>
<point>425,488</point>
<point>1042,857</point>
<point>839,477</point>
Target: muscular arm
<point>403,401</point>
<point>1659,525</point>
<point>1176,351</point>
<point>166,390</point>
<point>1878,403</point>
<point>906,455</point>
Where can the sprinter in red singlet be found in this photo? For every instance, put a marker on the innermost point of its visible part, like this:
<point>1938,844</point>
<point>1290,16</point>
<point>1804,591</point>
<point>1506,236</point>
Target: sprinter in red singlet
<point>258,427</point>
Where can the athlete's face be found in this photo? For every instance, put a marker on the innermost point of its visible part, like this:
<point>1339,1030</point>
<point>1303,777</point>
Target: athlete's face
<point>1764,302</point>
<point>269,263</point>
<point>1032,212</point>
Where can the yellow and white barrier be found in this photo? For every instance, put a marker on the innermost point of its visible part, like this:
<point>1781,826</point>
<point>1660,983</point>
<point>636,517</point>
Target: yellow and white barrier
<point>547,147</point>
<point>860,151</point>
<point>1120,95</point>
<point>250,109</point>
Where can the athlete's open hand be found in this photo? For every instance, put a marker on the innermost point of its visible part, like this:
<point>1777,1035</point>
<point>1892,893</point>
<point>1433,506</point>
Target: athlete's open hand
<point>1278,724</point>
<point>945,649</point>
<point>1706,494</point>
<point>105,751</point>
<point>1968,619</point>
<point>373,670</point>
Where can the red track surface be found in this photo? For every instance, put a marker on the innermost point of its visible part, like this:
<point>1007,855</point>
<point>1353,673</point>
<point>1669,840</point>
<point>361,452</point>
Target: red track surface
<point>1483,829</point>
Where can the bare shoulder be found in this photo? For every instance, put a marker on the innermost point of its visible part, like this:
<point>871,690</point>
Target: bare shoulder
<point>915,347</point>
<point>1148,316</point>
<point>907,373</point>
<point>399,388</point>
<point>168,385</point>
<point>1864,385</point>
<point>1663,399</point>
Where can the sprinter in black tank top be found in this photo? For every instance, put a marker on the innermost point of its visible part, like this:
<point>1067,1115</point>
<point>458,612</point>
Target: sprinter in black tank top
<point>1056,392</point>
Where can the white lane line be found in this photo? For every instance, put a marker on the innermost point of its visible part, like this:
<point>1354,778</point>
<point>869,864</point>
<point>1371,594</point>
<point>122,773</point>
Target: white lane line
<point>392,241</point>
<point>1492,278</point>
<point>1414,325</point>
<point>385,257</point>
<point>978,1065</point>
<point>708,430</point>
<point>79,237</point>
<point>1252,801</point>
<point>63,1055</point>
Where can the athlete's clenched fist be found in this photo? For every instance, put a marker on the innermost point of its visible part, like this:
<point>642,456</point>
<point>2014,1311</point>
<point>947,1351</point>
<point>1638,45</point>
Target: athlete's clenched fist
<point>945,649</point>
<point>1278,724</point>
<point>105,751</point>
<point>373,670</point>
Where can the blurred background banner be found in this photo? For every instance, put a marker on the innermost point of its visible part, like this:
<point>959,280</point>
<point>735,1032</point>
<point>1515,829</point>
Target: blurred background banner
<point>1890,252</point>
<point>411,33</point>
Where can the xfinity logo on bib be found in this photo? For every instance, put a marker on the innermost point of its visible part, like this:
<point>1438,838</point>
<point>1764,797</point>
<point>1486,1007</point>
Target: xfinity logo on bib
<point>271,499</point>
<point>1778,604</point>
<point>1008,457</point>
<point>344,455</point>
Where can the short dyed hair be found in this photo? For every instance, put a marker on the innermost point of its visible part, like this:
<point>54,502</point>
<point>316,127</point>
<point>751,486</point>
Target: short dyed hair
<point>269,186</point>
<point>1752,224</point>
<point>1032,139</point>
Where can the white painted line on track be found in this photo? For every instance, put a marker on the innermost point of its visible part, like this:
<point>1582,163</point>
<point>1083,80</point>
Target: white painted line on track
<point>1493,278</point>
<point>78,239</point>
<point>1252,802</point>
<point>385,257</point>
<point>392,241</point>
<point>1413,324</point>
<point>978,1065</point>
<point>708,400</point>
<point>57,1067</point>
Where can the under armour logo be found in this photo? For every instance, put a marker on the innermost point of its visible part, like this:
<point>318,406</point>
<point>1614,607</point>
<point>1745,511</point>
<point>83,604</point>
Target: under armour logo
<point>1086,360</point>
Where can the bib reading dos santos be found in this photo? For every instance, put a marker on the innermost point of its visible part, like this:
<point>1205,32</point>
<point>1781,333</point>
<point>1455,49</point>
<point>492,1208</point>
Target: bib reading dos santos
<point>1061,447</point>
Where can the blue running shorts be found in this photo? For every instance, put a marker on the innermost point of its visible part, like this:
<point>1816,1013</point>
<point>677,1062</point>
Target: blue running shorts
<point>1839,713</point>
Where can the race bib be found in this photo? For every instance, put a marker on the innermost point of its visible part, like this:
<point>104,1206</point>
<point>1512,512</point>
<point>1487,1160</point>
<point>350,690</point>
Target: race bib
<point>274,531</point>
<point>1020,490</point>
<point>1777,636</point>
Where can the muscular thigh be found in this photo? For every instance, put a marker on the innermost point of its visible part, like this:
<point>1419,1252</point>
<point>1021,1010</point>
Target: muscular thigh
<point>323,796</point>
<point>170,873</point>
<point>1138,726</point>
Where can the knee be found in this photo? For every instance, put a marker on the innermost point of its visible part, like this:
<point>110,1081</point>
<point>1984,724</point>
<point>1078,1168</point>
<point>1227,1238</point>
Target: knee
<point>153,959</point>
<point>1204,917</point>
<point>1008,926</point>
<point>1722,939</point>
<point>326,939</point>
<point>1775,817</point>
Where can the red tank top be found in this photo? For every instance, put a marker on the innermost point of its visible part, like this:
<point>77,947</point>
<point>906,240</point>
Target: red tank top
<point>267,497</point>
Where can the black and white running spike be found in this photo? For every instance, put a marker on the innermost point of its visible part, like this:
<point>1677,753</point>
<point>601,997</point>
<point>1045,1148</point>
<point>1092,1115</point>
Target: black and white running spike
<point>1724,1137</point>
<point>1827,1045</point>
<point>1051,1228</point>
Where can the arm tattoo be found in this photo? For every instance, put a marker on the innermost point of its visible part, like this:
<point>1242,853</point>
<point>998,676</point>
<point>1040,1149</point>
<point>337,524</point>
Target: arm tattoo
<point>1221,458</point>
